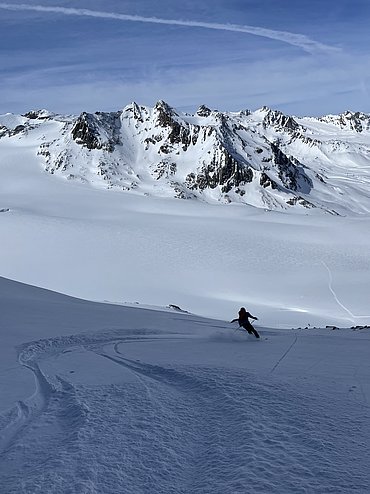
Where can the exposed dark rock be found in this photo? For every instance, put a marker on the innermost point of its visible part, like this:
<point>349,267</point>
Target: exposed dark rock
<point>5,132</point>
<point>165,149</point>
<point>38,115</point>
<point>44,151</point>
<point>181,192</point>
<point>17,130</point>
<point>177,308</point>
<point>194,138</point>
<point>223,170</point>
<point>98,131</point>
<point>266,181</point>
<point>241,192</point>
<point>275,118</point>
<point>291,171</point>
<point>86,132</point>
<point>62,161</point>
<point>163,169</point>
<point>203,111</point>
<point>300,200</point>
<point>179,132</point>
<point>356,121</point>
<point>148,141</point>
<point>164,114</point>
<point>137,112</point>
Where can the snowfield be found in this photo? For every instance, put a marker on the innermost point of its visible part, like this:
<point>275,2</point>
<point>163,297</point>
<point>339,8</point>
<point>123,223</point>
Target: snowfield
<point>99,398</point>
<point>210,259</point>
<point>114,391</point>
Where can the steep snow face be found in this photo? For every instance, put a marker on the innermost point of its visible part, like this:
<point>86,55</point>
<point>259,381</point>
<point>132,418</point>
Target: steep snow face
<point>264,158</point>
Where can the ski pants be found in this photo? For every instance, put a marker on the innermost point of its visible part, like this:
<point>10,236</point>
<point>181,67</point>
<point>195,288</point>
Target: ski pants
<point>251,330</point>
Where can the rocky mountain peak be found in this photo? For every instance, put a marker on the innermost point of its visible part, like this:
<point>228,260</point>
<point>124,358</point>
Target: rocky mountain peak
<point>275,118</point>
<point>136,111</point>
<point>97,131</point>
<point>265,158</point>
<point>86,132</point>
<point>39,115</point>
<point>349,120</point>
<point>164,113</point>
<point>357,121</point>
<point>203,111</point>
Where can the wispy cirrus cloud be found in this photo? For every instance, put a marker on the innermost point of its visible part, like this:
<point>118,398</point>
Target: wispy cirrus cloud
<point>305,87</point>
<point>299,40</point>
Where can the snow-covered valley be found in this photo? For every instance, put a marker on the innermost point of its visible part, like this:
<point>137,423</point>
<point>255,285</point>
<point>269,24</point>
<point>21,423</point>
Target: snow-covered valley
<point>89,238</point>
<point>121,393</point>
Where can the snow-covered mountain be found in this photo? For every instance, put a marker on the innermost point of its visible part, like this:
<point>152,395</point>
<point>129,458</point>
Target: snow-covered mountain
<point>116,397</point>
<point>262,158</point>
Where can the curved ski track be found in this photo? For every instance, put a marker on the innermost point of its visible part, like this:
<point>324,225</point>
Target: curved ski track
<point>179,429</point>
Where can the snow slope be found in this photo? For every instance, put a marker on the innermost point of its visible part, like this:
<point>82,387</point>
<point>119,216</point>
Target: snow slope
<point>98,398</point>
<point>100,244</point>
<point>88,238</point>
<point>133,397</point>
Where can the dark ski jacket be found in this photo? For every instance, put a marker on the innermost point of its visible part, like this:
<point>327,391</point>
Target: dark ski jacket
<point>244,322</point>
<point>243,318</point>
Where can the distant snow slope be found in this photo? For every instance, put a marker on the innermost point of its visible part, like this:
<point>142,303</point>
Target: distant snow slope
<point>262,158</point>
<point>102,243</point>
<point>211,259</point>
<point>99,398</point>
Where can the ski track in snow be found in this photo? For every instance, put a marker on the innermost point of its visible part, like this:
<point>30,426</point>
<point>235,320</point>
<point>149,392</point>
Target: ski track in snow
<point>353,317</point>
<point>176,429</point>
<point>285,353</point>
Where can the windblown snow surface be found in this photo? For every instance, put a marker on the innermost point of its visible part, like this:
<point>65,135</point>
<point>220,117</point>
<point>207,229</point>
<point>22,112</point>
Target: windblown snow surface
<point>126,397</point>
<point>99,398</point>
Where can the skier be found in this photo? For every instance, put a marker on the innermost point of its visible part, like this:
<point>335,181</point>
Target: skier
<point>244,322</point>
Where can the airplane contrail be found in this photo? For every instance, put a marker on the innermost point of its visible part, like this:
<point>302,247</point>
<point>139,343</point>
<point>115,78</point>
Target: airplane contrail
<point>299,40</point>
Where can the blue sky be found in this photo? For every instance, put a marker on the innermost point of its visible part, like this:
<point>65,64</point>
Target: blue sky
<point>304,58</point>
